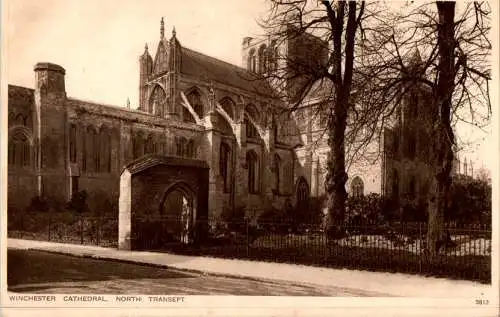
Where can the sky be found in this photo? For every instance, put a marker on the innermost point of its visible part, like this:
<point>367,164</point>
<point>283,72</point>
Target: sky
<point>99,42</point>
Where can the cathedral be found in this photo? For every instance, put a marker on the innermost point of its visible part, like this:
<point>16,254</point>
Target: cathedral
<point>198,111</point>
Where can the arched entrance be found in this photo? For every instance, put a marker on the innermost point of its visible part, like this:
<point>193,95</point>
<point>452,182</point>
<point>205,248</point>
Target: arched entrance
<point>163,202</point>
<point>178,210</point>
<point>302,193</point>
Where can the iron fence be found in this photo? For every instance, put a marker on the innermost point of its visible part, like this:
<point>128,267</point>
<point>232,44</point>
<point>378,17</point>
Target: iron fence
<point>464,253</point>
<point>65,228</point>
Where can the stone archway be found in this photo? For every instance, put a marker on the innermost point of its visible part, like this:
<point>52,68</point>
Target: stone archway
<point>302,192</point>
<point>163,202</point>
<point>178,208</point>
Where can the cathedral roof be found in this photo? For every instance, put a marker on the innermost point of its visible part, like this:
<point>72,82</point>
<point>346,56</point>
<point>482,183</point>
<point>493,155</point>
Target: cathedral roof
<point>209,68</point>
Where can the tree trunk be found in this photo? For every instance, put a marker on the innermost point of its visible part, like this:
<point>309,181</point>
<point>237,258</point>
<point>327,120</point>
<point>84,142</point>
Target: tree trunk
<point>336,175</point>
<point>439,199</point>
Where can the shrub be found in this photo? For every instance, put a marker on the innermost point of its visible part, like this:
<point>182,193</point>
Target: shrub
<point>78,202</point>
<point>275,220</point>
<point>233,219</point>
<point>470,201</point>
<point>364,210</point>
<point>38,204</point>
<point>312,216</point>
<point>414,212</point>
<point>104,204</point>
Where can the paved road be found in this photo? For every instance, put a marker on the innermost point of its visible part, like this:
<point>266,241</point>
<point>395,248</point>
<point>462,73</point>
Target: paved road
<point>42,272</point>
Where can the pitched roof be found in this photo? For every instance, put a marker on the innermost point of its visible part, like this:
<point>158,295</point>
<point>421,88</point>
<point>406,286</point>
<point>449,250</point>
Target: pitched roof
<point>203,66</point>
<point>151,160</point>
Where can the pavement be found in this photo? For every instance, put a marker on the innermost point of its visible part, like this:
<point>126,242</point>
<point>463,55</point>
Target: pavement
<point>376,283</point>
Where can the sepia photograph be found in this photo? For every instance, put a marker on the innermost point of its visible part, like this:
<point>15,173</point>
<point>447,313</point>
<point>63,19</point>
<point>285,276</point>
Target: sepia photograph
<point>156,150</point>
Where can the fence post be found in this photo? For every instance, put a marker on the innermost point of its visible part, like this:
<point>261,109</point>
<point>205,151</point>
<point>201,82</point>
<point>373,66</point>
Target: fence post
<point>98,230</point>
<point>421,247</point>
<point>81,230</point>
<point>325,247</point>
<point>247,239</point>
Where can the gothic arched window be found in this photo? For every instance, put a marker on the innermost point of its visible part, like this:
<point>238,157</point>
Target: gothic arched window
<point>262,59</point>
<point>105,136</point>
<point>251,60</point>
<point>84,149</point>
<point>96,149</point>
<point>277,173</point>
<point>180,146</point>
<point>252,161</point>
<point>395,144</point>
<point>395,184</point>
<point>157,101</point>
<point>162,148</point>
<point>252,112</point>
<point>275,130</point>
<point>149,146</point>
<point>19,150</point>
<point>302,195</point>
<point>225,165</point>
<point>251,131</point>
<point>228,105</point>
<point>194,98</point>
<point>88,163</point>
<point>190,149</point>
<point>187,116</point>
<point>357,187</point>
<point>138,145</point>
<point>273,56</point>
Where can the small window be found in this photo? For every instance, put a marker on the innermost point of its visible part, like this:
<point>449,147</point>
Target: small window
<point>251,60</point>
<point>149,147</point>
<point>228,105</point>
<point>19,150</point>
<point>357,187</point>
<point>180,143</point>
<point>262,59</point>
<point>251,131</point>
<point>395,184</point>
<point>253,172</point>
<point>225,166</point>
<point>190,149</point>
<point>194,98</point>
<point>277,173</point>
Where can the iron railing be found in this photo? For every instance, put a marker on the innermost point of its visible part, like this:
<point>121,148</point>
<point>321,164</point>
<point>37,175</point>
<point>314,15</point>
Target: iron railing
<point>391,247</point>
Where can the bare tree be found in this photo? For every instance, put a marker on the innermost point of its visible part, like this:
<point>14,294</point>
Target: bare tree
<point>372,65</point>
<point>454,73</point>
<point>320,64</point>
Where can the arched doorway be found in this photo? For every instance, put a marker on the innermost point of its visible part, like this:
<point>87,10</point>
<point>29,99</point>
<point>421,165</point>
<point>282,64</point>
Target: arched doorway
<point>302,195</point>
<point>357,187</point>
<point>178,210</point>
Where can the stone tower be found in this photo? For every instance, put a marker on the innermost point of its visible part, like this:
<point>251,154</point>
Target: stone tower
<point>159,76</point>
<point>145,70</point>
<point>51,130</point>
